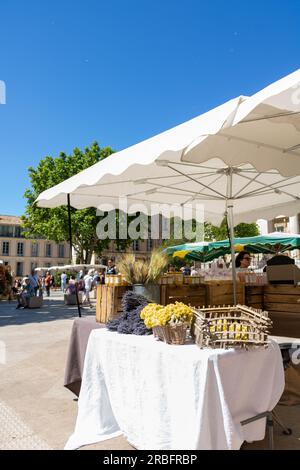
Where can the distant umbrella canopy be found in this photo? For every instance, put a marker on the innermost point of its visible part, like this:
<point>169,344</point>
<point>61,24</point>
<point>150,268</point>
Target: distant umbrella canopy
<point>207,251</point>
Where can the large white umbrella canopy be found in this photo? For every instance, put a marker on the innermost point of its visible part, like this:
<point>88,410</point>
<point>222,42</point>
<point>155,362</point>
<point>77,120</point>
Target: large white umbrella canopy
<point>136,172</point>
<point>242,157</point>
<point>255,140</point>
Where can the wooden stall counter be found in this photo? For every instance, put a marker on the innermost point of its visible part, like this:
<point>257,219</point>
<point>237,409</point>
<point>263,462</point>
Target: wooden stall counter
<point>221,292</point>
<point>189,294</point>
<point>282,301</point>
<point>254,296</point>
<point>218,292</point>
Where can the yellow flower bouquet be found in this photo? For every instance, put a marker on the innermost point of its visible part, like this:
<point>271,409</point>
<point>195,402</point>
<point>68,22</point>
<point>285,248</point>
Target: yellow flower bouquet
<point>169,323</point>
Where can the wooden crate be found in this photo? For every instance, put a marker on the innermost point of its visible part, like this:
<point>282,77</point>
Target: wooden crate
<point>108,302</point>
<point>221,293</point>
<point>194,295</point>
<point>285,324</point>
<point>281,301</point>
<point>254,296</point>
<point>285,289</point>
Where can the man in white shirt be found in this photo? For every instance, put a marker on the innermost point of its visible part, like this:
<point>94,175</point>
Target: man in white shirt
<point>63,279</point>
<point>88,282</point>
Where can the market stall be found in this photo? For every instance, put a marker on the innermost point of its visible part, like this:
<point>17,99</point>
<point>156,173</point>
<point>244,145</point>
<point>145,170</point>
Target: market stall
<point>237,160</point>
<point>174,397</point>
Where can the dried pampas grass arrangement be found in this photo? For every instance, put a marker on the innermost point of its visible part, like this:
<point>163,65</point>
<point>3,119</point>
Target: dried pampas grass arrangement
<point>142,271</point>
<point>157,265</point>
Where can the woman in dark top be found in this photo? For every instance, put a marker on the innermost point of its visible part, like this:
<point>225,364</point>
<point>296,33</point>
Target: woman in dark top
<point>243,260</point>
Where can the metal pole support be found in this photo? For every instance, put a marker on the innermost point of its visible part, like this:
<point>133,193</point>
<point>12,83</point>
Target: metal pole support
<point>231,231</point>
<point>229,213</point>
<point>77,300</point>
<point>270,427</point>
<point>71,249</point>
<point>70,226</point>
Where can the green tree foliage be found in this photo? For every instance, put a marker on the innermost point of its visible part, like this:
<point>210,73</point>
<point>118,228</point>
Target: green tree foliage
<point>53,223</point>
<point>220,233</point>
<point>214,233</point>
<point>246,230</point>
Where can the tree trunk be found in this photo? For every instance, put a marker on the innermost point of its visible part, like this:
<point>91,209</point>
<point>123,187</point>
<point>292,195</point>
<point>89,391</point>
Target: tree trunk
<point>88,256</point>
<point>79,257</point>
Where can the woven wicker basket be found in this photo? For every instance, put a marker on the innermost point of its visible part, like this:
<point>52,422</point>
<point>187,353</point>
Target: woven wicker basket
<point>230,327</point>
<point>171,334</point>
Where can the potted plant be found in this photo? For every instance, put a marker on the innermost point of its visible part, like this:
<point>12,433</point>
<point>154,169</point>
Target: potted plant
<point>144,274</point>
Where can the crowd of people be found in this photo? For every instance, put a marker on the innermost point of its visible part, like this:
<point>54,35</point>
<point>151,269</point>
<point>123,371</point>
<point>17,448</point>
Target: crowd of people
<point>83,282</point>
<point>30,286</point>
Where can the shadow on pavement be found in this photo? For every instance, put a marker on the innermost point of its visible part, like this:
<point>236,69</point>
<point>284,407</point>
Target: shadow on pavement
<point>52,309</point>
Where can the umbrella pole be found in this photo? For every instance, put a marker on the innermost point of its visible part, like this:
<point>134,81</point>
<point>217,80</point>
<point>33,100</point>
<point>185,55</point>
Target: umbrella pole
<point>77,300</point>
<point>70,226</point>
<point>231,226</point>
<point>231,231</point>
<point>71,249</point>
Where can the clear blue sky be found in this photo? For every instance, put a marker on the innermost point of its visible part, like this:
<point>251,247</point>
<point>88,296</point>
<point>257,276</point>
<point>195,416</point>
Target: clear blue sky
<point>119,71</point>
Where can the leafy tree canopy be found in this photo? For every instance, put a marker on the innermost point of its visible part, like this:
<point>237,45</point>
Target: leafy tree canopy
<point>220,233</point>
<point>53,223</point>
<point>214,233</point>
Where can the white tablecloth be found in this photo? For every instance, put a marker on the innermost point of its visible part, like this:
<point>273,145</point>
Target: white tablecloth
<point>174,397</point>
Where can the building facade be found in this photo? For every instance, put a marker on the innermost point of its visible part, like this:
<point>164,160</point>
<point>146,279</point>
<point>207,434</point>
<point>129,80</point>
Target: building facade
<point>284,224</point>
<point>23,254</point>
<point>140,248</point>
<point>280,224</point>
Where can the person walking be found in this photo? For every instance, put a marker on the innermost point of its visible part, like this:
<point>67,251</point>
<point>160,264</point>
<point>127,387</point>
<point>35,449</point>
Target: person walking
<point>63,283</point>
<point>71,289</point>
<point>88,282</point>
<point>41,287</point>
<point>52,283</point>
<point>48,282</point>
